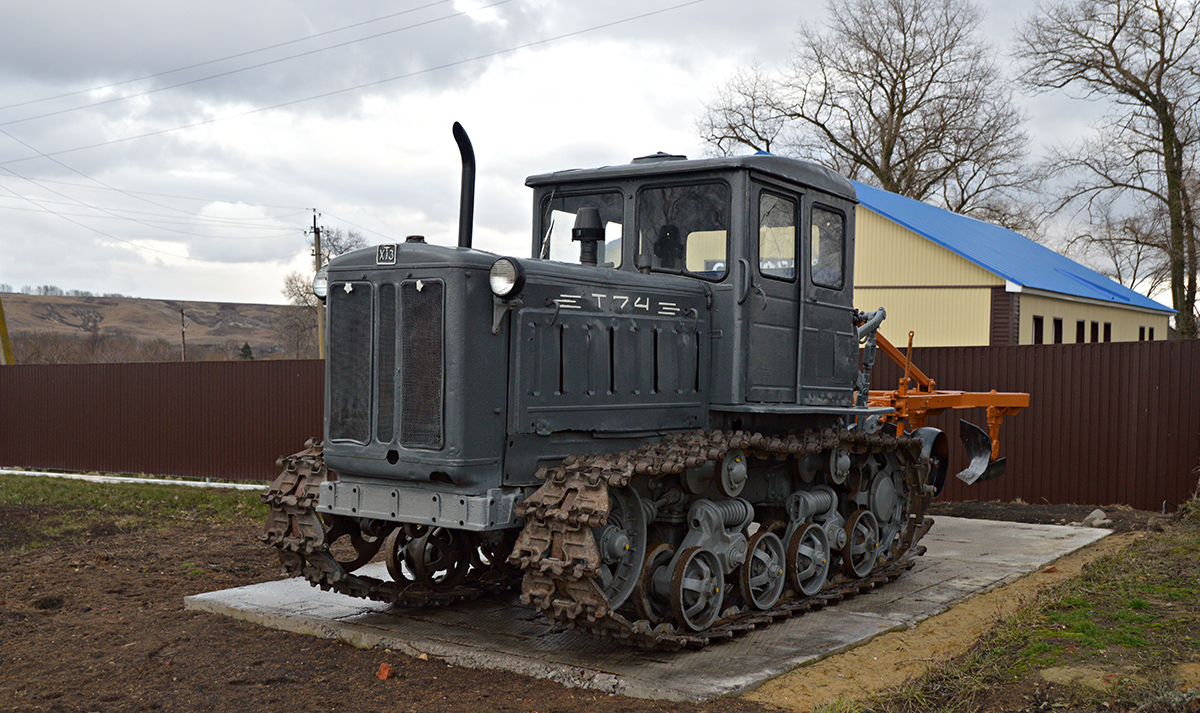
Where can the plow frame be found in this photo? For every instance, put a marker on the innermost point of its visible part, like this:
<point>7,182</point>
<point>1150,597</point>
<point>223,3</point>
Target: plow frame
<point>917,397</point>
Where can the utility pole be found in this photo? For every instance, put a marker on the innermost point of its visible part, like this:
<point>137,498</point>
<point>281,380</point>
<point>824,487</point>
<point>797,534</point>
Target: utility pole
<point>6,352</point>
<point>183,325</point>
<point>316,229</point>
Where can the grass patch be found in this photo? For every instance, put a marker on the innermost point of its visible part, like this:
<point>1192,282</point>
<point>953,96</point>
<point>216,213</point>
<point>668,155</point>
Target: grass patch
<point>38,510</point>
<point>1132,613</point>
<point>1191,509</point>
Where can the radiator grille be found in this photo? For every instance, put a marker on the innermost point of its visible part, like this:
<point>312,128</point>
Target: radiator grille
<point>421,363</point>
<point>350,362</point>
<point>386,420</point>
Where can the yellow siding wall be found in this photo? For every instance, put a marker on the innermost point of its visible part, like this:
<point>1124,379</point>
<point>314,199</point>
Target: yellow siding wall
<point>887,254</point>
<point>1125,322</point>
<point>899,270</point>
<point>939,318</point>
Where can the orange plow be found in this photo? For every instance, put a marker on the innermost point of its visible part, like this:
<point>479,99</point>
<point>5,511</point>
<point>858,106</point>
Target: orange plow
<point>917,397</point>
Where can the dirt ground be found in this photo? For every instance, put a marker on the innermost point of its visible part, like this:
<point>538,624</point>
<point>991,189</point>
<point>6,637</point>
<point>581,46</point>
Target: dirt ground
<point>97,624</point>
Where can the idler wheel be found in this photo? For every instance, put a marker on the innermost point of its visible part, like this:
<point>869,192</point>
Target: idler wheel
<point>650,596</point>
<point>492,551</point>
<point>761,577</point>
<point>441,558</point>
<point>862,542</point>
<point>808,559</point>
<point>395,550</point>
<point>348,544</point>
<point>621,541</point>
<point>697,588</point>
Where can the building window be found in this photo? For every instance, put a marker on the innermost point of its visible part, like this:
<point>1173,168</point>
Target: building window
<point>1058,330</point>
<point>1108,331</point>
<point>1037,329</point>
<point>1141,334</point>
<point>1080,329</point>
<point>1150,337</point>
<point>1095,332</point>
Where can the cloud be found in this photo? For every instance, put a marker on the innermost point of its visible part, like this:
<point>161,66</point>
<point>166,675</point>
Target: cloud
<point>144,216</point>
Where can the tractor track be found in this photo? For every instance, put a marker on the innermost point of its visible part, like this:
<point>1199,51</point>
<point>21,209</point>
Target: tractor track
<point>557,553</point>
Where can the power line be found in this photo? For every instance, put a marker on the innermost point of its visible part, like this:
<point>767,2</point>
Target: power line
<point>97,181</point>
<point>279,232</point>
<point>360,227</point>
<point>102,186</point>
<point>325,95</point>
<point>238,55</point>
<point>145,247</point>
<point>80,173</point>
<point>248,223</point>
<point>97,208</point>
<point>230,72</point>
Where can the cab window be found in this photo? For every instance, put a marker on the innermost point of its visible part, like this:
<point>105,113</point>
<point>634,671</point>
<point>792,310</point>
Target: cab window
<point>828,248</point>
<point>558,217</point>
<point>685,229</point>
<point>776,237</point>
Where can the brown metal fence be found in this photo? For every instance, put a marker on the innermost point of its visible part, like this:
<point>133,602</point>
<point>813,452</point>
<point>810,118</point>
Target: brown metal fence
<point>1108,423</point>
<point>201,419</point>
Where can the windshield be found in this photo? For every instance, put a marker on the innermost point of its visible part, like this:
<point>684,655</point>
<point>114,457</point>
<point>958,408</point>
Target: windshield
<point>685,229</point>
<point>558,217</point>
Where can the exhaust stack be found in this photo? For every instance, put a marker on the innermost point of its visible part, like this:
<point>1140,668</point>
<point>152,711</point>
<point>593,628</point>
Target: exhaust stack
<point>466,201</point>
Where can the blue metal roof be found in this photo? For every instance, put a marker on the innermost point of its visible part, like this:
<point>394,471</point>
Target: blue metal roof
<point>1000,251</point>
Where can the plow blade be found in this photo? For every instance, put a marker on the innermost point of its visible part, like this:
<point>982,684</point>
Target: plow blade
<point>978,445</point>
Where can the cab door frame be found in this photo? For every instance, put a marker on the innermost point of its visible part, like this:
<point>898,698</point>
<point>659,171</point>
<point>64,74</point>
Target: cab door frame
<point>829,341</point>
<point>772,295</point>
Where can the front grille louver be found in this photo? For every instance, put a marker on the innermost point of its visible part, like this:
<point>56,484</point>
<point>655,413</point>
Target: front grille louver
<point>386,421</point>
<point>350,362</point>
<point>422,305</point>
<point>364,333</point>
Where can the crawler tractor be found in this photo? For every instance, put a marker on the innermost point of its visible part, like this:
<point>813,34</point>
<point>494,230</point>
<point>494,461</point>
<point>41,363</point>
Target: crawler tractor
<point>659,426</point>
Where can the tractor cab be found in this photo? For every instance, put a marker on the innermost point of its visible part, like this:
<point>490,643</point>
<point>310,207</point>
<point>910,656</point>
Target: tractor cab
<point>771,241</point>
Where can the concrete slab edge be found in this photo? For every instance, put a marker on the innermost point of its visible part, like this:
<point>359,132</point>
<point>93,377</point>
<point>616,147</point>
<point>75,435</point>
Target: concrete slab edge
<point>776,671</point>
<point>451,653</point>
<point>936,611</point>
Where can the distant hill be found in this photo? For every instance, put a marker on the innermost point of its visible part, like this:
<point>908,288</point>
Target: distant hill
<point>215,329</point>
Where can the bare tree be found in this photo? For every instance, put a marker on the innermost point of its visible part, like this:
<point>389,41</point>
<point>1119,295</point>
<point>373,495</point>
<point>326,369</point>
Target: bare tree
<point>1127,247</point>
<point>743,114</point>
<point>297,286</point>
<point>297,289</point>
<point>335,241</point>
<point>298,329</point>
<point>1143,56</point>
<point>901,94</point>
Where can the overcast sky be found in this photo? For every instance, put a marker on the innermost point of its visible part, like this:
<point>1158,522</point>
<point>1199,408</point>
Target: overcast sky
<point>175,150</point>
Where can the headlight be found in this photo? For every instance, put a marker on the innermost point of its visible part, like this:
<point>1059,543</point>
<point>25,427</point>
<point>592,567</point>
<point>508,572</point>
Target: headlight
<point>506,277</point>
<point>320,285</point>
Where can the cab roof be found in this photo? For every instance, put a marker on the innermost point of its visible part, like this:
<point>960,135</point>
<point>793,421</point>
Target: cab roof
<point>791,170</point>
